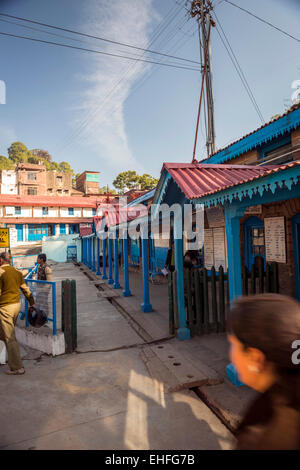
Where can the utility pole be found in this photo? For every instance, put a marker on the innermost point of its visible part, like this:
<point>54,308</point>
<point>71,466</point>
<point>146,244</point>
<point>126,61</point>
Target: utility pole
<point>200,9</point>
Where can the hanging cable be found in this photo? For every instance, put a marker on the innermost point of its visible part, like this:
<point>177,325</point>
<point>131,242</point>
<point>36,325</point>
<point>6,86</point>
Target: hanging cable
<point>262,20</point>
<point>96,37</point>
<point>241,73</point>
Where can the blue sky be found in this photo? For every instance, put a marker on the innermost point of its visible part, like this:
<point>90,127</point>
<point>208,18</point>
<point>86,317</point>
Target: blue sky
<point>110,115</point>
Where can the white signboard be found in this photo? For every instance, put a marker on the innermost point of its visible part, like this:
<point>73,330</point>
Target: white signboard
<point>215,248</point>
<point>254,209</point>
<point>219,248</point>
<point>275,239</point>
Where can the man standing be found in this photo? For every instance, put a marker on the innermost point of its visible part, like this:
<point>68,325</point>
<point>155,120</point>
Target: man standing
<point>11,281</point>
<point>44,272</point>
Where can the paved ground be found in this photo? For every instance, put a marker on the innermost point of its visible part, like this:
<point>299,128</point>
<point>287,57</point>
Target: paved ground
<point>119,397</point>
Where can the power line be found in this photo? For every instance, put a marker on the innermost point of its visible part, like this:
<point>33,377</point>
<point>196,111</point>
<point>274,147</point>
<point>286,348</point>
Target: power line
<point>241,73</point>
<point>262,20</point>
<point>97,37</point>
<point>159,30</point>
<point>98,52</point>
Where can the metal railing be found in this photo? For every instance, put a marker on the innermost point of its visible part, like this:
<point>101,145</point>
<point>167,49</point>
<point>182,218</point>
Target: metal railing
<point>44,293</point>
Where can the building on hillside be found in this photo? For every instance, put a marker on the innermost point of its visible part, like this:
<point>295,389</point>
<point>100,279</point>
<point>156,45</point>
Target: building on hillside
<point>31,179</point>
<point>60,184</point>
<point>8,182</point>
<point>88,183</point>
<point>33,217</point>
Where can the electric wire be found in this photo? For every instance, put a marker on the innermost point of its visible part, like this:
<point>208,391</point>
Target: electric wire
<point>241,74</point>
<point>96,37</point>
<point>166,64</point>
<point>263,21</point>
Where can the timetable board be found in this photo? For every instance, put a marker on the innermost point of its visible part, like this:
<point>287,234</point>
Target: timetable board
<point>275,242</point>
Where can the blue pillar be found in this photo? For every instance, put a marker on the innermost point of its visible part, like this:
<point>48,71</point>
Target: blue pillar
<point>146,306</point>
<point>116,261</point>
<point>90,253</point>
<point>232,226</point>
<point>126,291</point>
<point>110,247</point>
<point>93,254</point>
<point>104,275</point>
<point>98,257</point>
<point>183,331</point>
<point>85,251</point>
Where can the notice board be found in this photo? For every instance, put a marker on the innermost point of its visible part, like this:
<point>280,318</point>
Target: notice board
<point>275,239</point>
<point>215,248</point>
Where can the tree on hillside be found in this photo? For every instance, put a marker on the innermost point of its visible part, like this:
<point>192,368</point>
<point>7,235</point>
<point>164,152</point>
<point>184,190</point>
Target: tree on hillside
<point>18,152</point>
<point>126,180</point>
<point>106,189</point>
<point>147,182</point>
<point>42,154</point>
<point>65,167</point>
<point>130,179</point>
<point>6,163</point>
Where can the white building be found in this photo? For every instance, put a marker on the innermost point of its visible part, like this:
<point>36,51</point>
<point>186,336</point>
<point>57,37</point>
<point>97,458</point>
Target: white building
<point>8,182</point>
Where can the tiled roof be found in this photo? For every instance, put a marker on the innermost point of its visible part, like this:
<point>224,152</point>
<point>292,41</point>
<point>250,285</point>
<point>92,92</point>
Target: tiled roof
<point>49,201</point>
<point>46,220</point>
<point>197,180</point>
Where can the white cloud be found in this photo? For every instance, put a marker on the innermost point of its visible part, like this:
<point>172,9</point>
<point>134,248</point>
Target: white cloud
<point>107,86</point>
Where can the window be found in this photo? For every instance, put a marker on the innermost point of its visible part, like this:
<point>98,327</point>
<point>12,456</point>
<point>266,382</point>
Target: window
<point>32,191</point>
<point>94,211</point>
<point>45,210</point>
<point>62,228</point>
<point>31,176</point>
<point>277,152</point>
<point>257,241</point>
<point>70,211</point>
<point>18,210</point>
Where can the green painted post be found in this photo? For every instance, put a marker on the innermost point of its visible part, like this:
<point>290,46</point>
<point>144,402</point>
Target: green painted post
<point>268,275</point>
<point>205,299</point>
<point>176,315</point>
<point>198,301</point>
<point>253,281</point>
<point>66,303</point>
<point>74,314</point>
<point>261,278</point>
<point>188,290</point>
<point>214,299</point>
<point>171,304</point>
<point>245,280</point>
<point>221,298</point>
<point>275,287</point>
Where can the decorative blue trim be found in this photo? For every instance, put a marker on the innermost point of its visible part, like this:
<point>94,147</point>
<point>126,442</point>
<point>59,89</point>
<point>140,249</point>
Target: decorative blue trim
<point>287,178</point>
<point>262,136</point>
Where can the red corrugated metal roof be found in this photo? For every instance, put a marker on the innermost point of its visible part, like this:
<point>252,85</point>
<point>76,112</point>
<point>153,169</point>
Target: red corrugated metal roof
<point>49,201</point>
<point>197,180</point>
<point>114,215</point>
